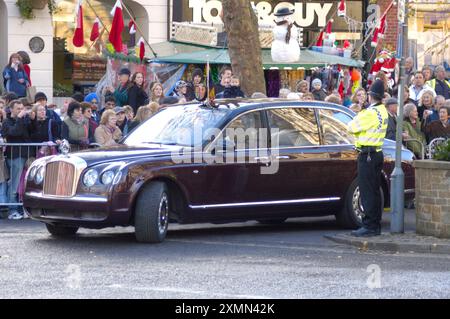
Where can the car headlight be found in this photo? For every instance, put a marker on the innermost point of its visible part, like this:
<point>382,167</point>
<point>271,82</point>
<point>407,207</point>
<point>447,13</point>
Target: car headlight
<point>39,177</point>
<point>107,177</point>
<point>90,178</point>
<point>32,173</point>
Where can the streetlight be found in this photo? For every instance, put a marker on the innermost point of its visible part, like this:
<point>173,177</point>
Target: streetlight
<point>398,176</point>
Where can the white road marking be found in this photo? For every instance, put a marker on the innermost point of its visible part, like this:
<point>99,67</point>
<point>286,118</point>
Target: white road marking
<point>188,291</point>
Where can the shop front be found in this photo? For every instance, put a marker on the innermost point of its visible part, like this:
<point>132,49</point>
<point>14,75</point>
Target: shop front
<point>311,16</point>
<point>429,32</point>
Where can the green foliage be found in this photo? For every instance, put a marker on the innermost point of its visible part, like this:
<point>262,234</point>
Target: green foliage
<point>60,90</point>
<point>52,7</point>
<point>443,152</point>
<point>26,8</point>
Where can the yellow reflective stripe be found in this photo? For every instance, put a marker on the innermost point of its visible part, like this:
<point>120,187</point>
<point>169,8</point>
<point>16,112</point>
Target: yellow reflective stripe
<point>370,141</point>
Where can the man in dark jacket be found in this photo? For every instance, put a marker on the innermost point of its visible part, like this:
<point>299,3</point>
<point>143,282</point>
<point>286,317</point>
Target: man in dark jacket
<point>225,73</point>
<point>391,106</point>
<point>41,99</point>
<point>15,130</point>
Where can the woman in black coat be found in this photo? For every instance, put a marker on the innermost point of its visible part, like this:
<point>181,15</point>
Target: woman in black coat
<point>136,94</point>
<point>43,129</point>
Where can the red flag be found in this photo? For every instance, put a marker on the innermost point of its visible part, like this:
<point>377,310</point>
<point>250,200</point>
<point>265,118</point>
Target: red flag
<point>115,35</point>
<point>328,27</point>
<point>382,27</point>
<point>319,42</point>
<point>78,37</point>
<point>132,27</point>
<point>374,42</point>
<point>141,44</point>
<point>95,32</point>
<point>342,10</point>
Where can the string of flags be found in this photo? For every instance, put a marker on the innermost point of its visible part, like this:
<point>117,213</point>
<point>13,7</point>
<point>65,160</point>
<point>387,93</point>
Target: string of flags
<point>115,33</point>
<point>378,29</point>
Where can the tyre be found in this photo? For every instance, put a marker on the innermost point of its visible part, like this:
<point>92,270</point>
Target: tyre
<point>152,213</point>
<point>274,221</point>
<point>61,231</point>
<point>353,211</point>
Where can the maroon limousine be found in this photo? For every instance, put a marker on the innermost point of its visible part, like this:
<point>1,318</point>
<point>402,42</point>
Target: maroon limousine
<point>189,164</point>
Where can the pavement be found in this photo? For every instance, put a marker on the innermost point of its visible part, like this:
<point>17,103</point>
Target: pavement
<point>231,261</point>
<point>409,241</point>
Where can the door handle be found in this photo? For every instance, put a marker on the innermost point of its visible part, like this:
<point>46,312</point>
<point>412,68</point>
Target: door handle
<point>282,157</point>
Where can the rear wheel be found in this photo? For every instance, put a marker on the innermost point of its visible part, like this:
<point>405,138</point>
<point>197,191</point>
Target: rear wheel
<point>353,212</point>
<point>61,231</point>
<point>152,213</point>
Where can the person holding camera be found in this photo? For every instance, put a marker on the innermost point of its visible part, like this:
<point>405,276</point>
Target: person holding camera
<point>15,129</point>
<point>14,76</point>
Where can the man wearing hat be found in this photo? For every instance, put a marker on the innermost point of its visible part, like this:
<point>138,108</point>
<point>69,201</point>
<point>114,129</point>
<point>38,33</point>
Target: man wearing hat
<point>121,93</point>
<point>122,121</point>
<point>391,107</point>
<point>41,98</point>
<point>369,128</point>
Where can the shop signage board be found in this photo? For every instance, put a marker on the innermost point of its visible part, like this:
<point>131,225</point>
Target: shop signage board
<point>307,13</point>
<point>88,69</point>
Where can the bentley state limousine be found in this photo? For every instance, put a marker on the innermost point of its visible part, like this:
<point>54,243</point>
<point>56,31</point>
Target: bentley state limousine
<point>237,160</point>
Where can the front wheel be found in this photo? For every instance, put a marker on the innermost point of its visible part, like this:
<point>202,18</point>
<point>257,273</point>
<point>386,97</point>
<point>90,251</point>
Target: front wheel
<point>353,212</point>
<point>61,231</point>
<point>152,213</point>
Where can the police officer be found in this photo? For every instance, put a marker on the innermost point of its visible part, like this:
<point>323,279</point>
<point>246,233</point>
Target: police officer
<point>440,84</point>
<point>369,128</point>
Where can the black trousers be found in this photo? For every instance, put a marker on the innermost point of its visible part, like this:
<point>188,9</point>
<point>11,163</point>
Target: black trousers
<point>369,181</point>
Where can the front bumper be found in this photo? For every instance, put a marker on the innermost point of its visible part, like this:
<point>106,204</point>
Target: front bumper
<point>89,211</point>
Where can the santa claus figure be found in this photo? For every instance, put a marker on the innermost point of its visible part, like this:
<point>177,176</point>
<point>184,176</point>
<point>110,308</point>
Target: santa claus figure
<point>285,47</point>
<point>384,62</point>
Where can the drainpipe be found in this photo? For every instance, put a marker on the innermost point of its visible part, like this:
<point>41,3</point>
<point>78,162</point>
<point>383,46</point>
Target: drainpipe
<point>169,18</point>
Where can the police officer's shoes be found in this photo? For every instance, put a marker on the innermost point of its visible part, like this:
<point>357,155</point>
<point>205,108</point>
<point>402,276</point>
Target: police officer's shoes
<point>366,232</point>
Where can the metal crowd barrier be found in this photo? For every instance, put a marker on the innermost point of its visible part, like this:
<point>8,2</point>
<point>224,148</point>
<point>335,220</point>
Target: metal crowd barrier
<point>418,142</point>
<point>15,158</point>
<point>433,146</point>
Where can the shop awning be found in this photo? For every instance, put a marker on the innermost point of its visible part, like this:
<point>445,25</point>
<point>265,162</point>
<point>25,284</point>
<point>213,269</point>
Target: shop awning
<point>173,52</point>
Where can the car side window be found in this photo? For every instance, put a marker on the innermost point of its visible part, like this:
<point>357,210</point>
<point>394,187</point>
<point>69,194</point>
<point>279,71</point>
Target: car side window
<point>334,127</point>
<point>243,131</point>
<point>293,127</point>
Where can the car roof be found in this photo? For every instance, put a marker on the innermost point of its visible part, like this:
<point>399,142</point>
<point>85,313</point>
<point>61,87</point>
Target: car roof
<point>246,104</point>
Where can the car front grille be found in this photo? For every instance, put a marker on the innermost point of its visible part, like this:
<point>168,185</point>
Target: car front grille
<point>59,179</point>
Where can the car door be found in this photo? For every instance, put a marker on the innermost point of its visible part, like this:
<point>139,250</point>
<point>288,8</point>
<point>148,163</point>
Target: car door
<point>236,180</point>
<point>341,168</point>
<point>296,148</point>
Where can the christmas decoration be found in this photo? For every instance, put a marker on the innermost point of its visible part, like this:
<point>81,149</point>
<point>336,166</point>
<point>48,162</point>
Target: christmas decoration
<point>141,45</point>
<point>385,62</point>
<point>342,9</point>
<point>78,38</point>
<point>95,32</point>
<point>285,47</point>
<point>115,35</point>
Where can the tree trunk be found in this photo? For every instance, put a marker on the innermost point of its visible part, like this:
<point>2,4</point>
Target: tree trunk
<point>244,46</point>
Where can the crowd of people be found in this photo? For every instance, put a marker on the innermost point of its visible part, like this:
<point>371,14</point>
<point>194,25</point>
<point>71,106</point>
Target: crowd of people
<point>83,121</point>
<point>426,111</point>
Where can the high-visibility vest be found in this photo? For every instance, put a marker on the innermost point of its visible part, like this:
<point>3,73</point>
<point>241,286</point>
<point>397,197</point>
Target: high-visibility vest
<point>432,83</point>
<point>370,126</point>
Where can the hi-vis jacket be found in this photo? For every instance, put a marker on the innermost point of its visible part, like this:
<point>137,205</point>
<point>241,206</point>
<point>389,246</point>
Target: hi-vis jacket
<point>432,83</point>
<point>370,126</point>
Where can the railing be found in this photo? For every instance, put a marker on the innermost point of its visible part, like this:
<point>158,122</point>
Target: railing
<point>15,158</point>
<point>431,149</point>
<point>422,146</point>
